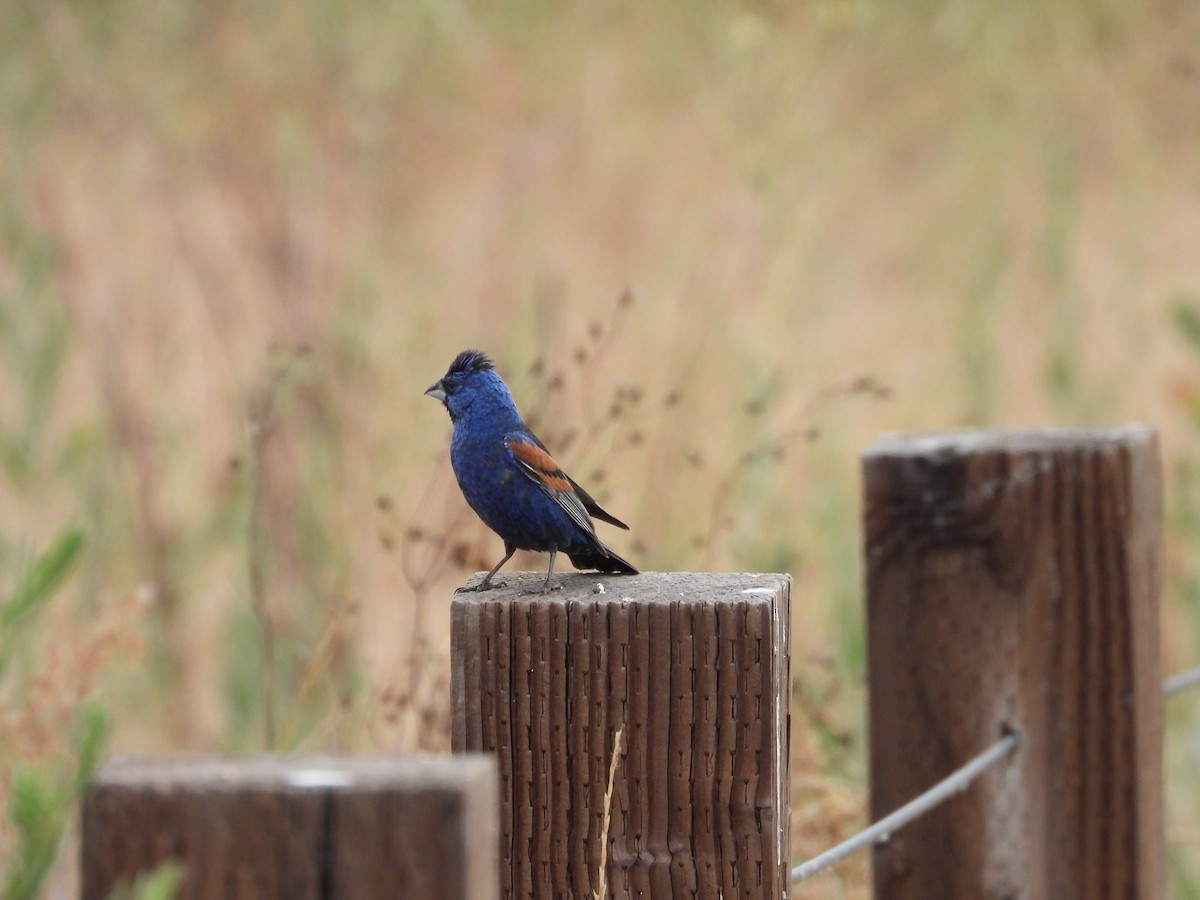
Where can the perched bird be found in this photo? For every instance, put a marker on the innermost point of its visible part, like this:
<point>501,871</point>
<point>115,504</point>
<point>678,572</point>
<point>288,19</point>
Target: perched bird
<point>509,478</point>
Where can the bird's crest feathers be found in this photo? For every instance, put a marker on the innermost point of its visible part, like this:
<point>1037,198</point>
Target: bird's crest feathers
<point>469,362</point>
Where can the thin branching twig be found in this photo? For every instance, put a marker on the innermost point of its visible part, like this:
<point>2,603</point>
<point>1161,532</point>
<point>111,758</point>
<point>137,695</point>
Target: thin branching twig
<point>259,426</point>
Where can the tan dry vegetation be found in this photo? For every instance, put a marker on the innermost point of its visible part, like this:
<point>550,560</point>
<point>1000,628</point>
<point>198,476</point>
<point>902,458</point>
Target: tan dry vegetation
<point>272,228</point>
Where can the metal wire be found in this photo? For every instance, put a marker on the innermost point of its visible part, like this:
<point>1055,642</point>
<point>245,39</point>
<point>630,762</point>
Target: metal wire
<point>952,784</point>
<point>1177,683</point>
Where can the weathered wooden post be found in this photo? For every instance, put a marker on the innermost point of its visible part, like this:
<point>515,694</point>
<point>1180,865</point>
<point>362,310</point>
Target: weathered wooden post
<point>1012,583</point>
<point>422,828</point>
<point>693,669</point>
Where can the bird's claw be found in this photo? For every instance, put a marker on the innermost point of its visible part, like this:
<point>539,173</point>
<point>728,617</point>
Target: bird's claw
<point>482,586</point>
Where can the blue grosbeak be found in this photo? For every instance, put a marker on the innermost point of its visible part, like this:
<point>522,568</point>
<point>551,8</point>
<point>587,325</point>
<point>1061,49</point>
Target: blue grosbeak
<point>510,479</point>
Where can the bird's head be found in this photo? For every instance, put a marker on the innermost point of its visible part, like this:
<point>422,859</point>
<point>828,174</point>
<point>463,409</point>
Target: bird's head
<point>464,379</point>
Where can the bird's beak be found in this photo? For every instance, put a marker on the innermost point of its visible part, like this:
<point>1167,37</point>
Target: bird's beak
<point>436,392</point>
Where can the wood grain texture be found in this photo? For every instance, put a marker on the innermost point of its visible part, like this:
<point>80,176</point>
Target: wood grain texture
<point>695,668</point>
<point>315,827</point>
<point>1013,583</point>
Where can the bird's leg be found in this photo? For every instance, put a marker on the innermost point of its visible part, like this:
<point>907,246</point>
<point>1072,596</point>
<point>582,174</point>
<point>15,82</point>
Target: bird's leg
<point>549,571</point>
<point>486,584</point>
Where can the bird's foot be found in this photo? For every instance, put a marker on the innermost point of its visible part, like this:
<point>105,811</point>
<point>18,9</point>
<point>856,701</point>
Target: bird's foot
<point>482,586</point>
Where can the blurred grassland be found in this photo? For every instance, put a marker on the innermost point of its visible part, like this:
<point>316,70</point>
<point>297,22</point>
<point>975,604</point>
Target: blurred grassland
<point>715,248</point>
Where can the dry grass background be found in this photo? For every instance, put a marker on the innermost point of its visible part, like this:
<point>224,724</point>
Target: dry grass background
<point>716,248</point>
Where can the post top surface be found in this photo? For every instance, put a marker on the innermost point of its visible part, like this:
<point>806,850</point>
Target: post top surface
<point>647,587</point>
<point>1008,440</point>
<point>291,772</point>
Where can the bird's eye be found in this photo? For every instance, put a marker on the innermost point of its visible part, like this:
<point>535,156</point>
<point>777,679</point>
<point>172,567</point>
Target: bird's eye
<point>450,386</point>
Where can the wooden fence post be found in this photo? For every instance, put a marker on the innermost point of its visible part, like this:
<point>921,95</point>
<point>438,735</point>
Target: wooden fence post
<point>1012,583</point>
<point>694,669</point>
<point>422,828</point>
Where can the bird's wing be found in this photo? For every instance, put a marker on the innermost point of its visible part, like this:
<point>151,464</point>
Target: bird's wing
<point>594,509</point>
<point>539,465</point>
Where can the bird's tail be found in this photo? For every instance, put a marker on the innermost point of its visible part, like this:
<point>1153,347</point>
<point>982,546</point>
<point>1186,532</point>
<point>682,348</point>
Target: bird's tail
<point>602,560</point>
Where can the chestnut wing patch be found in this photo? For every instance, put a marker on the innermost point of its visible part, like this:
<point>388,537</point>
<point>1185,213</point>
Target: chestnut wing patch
<point>593,508</point>
<point>540,466</point>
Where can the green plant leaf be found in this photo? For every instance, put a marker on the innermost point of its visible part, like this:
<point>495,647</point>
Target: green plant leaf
<point>161,883</point>
<point>90,736</point>
<point>40,579</point>
<point>35,808</point>
<point>1185,316</point>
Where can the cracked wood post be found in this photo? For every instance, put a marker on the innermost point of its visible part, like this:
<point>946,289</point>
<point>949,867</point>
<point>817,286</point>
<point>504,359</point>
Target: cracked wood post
<point>422,828</point>
<point>693,668</point>
<point>1013,582</point>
